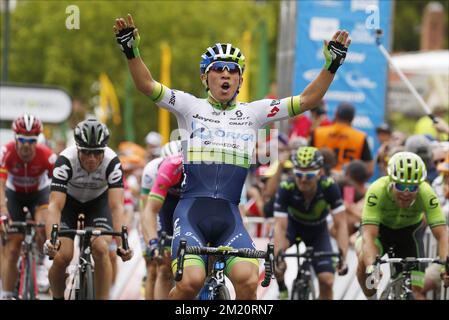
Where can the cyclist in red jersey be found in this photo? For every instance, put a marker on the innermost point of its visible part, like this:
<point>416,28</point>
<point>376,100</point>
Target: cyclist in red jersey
<point>25,171</point>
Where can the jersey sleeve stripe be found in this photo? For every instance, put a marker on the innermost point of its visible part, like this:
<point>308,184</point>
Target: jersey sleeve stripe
<point>370,221</point>
<point>437,223</point>
<point>158,92</point>
<point>338,210</point>
<point>280,214</point>
<point>156,197</point>
<point>294,106</point>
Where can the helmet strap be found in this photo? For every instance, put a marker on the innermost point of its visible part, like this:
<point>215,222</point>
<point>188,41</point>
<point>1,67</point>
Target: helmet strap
<point>215,101</point>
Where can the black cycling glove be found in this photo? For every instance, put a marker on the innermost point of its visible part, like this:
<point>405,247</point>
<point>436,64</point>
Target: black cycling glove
<point>128,43</point>
<point>335,54</point>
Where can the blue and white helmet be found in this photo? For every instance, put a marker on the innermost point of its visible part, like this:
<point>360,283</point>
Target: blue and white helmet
<point>222,52</point>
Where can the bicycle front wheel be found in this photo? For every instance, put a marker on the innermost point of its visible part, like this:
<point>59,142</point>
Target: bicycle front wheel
<point>87,291</point>
<point>27,278</point>
<point>222,293</point>
<point>303,291</point>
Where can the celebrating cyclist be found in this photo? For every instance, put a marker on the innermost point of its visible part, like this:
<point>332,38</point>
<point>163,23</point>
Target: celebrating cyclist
<point>87,179</point>
<point>220,134</point>
<point>162,176</point>
<point>300,210</point>
<point>398,208</point>
<point>25,170</point>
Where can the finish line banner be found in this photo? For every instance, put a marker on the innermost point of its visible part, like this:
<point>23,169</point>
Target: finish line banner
<point>362,80</point>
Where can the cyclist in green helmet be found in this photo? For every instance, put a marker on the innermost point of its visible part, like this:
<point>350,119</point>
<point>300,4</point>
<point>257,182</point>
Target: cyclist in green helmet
<point>301,208</point>
<point>398,208</point>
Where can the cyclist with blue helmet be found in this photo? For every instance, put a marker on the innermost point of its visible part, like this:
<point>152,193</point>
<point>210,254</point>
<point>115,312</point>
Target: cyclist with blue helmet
<point>220,135</point>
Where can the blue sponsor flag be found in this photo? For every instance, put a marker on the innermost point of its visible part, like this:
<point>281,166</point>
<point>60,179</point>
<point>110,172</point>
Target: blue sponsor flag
<point>362,80</point>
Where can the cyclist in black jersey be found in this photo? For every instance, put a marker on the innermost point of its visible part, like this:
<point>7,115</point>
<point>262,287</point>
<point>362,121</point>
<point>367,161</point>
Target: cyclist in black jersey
<point>87,179</point>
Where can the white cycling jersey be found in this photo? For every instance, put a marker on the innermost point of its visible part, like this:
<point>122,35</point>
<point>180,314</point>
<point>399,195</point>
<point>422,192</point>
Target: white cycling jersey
<point>149,175</point>
<point>69,177</point>
<point>218,143</point>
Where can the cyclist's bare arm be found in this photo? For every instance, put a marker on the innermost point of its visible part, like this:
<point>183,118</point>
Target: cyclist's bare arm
<point>139,71</point>
<point>441,235</point>
<point>369,249</point>
<point>280,234</point>
<point>315,91</point>
<point>115,202</point>
<point>342,236</point>
<point>149,218</point>
<point>3,207</point>
<point>141,76</point>
<point>55,205</point>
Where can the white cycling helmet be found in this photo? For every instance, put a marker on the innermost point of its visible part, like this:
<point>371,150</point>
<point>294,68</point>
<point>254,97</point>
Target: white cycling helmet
<point>171,148</point>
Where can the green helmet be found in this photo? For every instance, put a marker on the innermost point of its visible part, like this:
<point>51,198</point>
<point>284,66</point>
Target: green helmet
<point>406,167</point>
<point>308,158</point>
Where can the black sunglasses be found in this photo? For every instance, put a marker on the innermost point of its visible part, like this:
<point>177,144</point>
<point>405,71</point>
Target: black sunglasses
<point>88,152</point>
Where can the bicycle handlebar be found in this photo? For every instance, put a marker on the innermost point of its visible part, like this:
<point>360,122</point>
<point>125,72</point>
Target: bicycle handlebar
<point>268,255</point>
<point>314,255</point>
<point>164,237</point>
<point>408,260</point>
<point>123,234</point>
<point>21,225</point>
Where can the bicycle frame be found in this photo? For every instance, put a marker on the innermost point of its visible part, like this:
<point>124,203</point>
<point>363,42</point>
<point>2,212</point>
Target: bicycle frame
<point>83,281</point>
<point>27,282</point>
<point>303,287</point>
<point>400,287</point>
<point>215,283</point>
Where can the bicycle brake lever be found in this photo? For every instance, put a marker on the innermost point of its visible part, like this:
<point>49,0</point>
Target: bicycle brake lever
<point>53,236</point>
<point>125,244</point>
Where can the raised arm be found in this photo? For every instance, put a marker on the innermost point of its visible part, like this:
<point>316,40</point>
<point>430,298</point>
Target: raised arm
<point>128,39</point>
<point>334,53</point>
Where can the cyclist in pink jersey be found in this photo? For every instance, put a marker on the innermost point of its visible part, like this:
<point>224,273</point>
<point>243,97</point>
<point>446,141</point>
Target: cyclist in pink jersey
<point>157,217</point>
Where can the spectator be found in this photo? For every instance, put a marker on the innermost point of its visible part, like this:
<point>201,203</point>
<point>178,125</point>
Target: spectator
<point>353,187</point>
<point>442,127</point>
<point>330,161</point>
<point>441,187</point>
<point>384,136</point>
<point>303,126</point>
<point>153,141</point>
<point>383,132</point>
<point>347,142</point>
<point>425,124</point>
<point>420,145</point>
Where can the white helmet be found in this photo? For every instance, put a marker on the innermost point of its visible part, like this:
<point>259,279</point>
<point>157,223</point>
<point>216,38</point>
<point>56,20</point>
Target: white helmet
<point>171,148</point>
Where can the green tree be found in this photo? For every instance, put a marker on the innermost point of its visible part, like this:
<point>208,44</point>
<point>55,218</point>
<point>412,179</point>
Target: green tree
<point>407,23</point>
<point>44,51</point>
